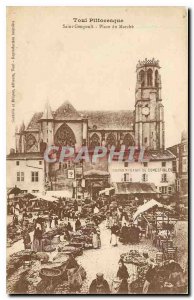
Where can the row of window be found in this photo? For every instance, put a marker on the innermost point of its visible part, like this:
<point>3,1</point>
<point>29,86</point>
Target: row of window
<point>165,189</point>
<point>34,176</point>
<point>145,177</point>
<point>145,164</point>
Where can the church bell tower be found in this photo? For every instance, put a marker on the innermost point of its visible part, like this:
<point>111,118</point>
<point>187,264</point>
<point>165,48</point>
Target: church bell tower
<point>149,110</point>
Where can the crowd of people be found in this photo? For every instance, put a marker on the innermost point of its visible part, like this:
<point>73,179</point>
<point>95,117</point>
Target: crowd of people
<point>100,285</point>
<point>73,224</point>
<point>122,229</point>
<point>159,279</point>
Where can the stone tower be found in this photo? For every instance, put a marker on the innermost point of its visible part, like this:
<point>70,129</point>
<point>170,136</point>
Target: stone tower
<point>149,110</point>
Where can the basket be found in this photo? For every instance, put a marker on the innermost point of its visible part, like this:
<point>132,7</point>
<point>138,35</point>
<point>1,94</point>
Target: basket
<point>46,273</point>
<point>49,248</point>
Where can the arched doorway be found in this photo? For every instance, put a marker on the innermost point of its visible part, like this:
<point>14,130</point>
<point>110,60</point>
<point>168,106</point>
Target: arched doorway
<point>110,140</point>
<point>94,140</point>
<point>65,136</point>
<point>128,140</point>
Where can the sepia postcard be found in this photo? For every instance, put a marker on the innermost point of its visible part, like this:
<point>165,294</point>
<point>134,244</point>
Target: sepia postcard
<point>97,150</point>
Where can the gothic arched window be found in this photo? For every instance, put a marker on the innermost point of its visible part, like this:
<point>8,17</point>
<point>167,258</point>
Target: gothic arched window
<point>65,136</point>
<point>30,141</point>
<point>128,140</point>
<point>149,77</point>
<point>156,78</point>
<point>111,140</point>
<point>142,77</point>
<point>94,140</point>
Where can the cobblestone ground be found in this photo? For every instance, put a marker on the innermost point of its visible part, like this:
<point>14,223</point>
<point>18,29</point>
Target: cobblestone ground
<point>105,259</point>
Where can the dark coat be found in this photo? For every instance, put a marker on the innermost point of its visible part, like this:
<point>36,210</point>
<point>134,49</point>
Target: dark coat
<point>77,224</point>
<point>115,229</point>
<point>99,287</point>
<point>38,234</point>
<point>123,274</point>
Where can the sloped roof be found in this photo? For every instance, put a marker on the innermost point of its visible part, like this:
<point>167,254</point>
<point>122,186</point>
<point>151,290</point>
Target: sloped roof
<point>67,112</point>
<point>134,188</point>
<point>159,155</point>
<point>107,120</point>
<point>33,124</point>
<point>113,120</point>
<point>174,149</point>
<point>28,155</point>
<point>15,190</point>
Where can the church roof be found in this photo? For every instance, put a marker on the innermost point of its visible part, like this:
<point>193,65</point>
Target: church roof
<point>110,120</point>
<point>67,112</point>
<point>33,124</point>
<point>103,120</point>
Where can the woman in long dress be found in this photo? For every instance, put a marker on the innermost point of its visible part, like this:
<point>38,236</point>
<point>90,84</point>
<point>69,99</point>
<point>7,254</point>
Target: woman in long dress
<point>114,233</point>
<point>96,238</point>
<point>37,242</point>
<point>109,221</point>
<point>123,275</point>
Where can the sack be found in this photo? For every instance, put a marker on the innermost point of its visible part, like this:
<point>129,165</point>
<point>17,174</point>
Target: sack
<point>116,285</point>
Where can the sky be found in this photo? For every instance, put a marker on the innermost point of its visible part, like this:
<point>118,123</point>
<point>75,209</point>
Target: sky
<point>95,69</point>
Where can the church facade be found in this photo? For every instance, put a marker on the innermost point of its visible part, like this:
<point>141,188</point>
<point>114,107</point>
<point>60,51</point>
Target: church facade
<point>142,127</point>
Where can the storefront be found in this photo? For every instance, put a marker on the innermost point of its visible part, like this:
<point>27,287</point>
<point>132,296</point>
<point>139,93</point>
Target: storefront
<point>95,181</point>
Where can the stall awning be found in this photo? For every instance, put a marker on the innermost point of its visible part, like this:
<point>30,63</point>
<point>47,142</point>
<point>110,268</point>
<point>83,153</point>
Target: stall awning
<point>102,192</point>
<point>15,191</point>
<point>106,191</point>
<point>60,194</point>
<point>122,188</point>
<point>148,205</point>
<point>45,197</point>
<point>53,195</point>
<point>29,195</point>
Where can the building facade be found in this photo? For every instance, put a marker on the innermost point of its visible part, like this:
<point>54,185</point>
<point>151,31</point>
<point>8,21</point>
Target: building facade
<point>143,127</point>
<point>158,170</point>
<point>180,163</point>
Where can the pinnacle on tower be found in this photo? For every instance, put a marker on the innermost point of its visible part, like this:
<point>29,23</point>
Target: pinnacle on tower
<point>47,114</point>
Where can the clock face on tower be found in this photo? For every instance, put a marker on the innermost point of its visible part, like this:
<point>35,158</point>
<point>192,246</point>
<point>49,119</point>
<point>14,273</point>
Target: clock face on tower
<point>145,110</point>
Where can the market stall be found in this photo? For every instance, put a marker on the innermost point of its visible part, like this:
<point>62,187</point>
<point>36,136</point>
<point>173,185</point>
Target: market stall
<point>30,272</point>
<point>159,227</point>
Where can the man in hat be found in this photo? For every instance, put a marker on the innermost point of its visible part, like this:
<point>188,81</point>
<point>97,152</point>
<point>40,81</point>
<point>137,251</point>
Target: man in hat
<point>99,285</point>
